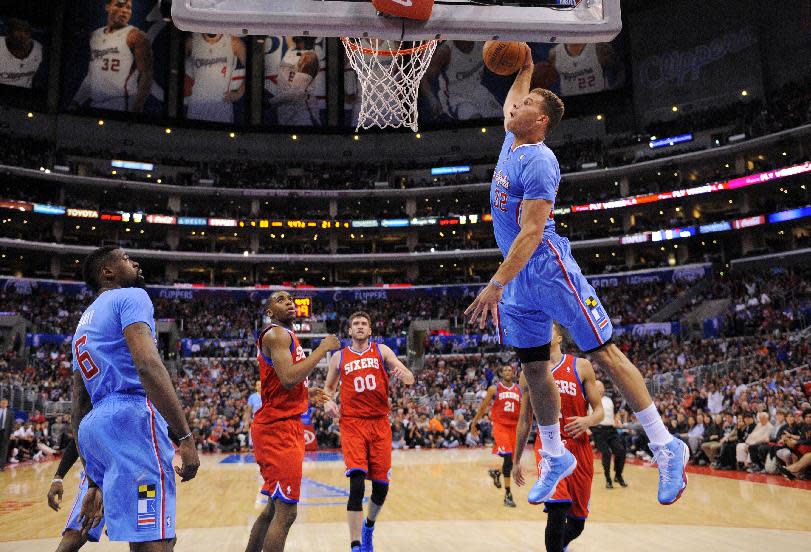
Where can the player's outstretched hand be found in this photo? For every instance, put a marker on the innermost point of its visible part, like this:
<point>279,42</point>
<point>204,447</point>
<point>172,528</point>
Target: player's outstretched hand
<point>189,461</point>
<point>331,342</point>
<point>486,303</point>
<point>331,409</point>
<point>55,495</point>
<point>518,474</point>
<point>577,426</point>
<point>317,396</point>
<point>92,510</point>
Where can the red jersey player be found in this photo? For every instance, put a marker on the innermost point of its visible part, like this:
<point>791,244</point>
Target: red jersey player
<point>277,431</point>
<point>365,427</point>
<point>506,398</point>
<point>569,506</point>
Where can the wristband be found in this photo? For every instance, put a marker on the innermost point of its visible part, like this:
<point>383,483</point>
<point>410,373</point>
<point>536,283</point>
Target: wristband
<point>497,284</point>
<point>56,480</point>
<point>184,437</point>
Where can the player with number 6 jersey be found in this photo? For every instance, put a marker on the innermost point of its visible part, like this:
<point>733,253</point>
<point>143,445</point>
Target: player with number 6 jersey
<point>506,398</point>
<point>124,405</point>
<point>365,427</point>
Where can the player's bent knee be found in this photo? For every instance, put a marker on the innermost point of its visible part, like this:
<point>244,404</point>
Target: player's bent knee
<point>379,492</point>
<point>357,487</point>
<point>529,355</point>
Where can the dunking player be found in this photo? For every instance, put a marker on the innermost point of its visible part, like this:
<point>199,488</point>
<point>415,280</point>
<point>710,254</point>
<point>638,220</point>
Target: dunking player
<point>119,74</point>
<point>568,508</point>
<point>292,81</point>
<point>504,414</point>
<point>365,428</point>
<point>73,538</point>
<point>277,431</point>
<point>539,281</point>
<point>124,438</point>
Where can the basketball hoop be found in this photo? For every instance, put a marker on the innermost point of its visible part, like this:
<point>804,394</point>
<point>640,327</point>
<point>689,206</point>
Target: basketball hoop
<point>389,72</point>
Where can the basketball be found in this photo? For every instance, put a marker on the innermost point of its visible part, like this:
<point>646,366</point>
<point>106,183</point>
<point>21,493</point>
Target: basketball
<point>502,57</point>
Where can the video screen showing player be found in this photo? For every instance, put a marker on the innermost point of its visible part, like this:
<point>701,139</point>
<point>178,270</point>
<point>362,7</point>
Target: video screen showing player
<point>214,84</point>
<point>295,86</point>
<point>458,87</point>
<point>116,56</point>
<point>22,53</point>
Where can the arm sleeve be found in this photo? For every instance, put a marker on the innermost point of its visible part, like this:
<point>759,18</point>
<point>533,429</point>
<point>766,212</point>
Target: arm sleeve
<point>541,178</point>
<point>134,306</point>
<point>67,461</point>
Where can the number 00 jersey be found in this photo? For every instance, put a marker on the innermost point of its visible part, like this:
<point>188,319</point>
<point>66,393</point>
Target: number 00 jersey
<point>364,383</point>
<point>279,403</point>
<point>506,405</point>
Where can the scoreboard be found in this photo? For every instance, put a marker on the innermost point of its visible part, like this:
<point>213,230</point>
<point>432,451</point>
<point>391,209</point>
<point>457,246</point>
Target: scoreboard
<point>304,307</point>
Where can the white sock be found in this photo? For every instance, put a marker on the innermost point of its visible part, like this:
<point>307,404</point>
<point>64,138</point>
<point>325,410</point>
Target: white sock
<point>654,427</point>
<point>550,439</point>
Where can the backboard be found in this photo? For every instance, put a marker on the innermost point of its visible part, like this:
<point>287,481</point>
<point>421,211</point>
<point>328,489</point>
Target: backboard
<point>528,20</point>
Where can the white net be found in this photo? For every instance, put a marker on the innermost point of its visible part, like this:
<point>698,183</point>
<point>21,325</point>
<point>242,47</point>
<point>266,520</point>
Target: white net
<point>389,72</point>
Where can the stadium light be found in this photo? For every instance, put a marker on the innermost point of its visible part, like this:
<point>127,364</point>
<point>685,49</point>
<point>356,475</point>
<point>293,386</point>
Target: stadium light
<point>168,131</point>
<point>30,115</point>
<point>101,122</point>
<point>599,117</point>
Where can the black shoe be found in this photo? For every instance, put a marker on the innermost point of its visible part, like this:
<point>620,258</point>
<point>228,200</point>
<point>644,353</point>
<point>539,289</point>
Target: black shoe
<point>620,480</point>
<point>508,501</point>
<point>608,484</point>
<point>786,472</point>
<point>496,475</point>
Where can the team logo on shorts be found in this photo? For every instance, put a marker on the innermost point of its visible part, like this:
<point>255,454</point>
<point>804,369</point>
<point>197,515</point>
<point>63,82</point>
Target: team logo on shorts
<point>147,517</point>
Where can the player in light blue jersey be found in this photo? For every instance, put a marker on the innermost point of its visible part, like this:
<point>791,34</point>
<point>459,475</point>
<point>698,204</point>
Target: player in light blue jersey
<point>124,405</point>
<point>539,281</point>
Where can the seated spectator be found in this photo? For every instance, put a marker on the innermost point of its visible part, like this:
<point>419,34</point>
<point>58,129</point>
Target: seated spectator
<point>759,435</point>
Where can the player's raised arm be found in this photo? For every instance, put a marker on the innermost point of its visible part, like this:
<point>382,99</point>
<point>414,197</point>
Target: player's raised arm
<point>142,50</point>
<point>521,430</point>
<point>276,345</point>
<point>578,425</point>
<point>395,366</point>
<point>331,386</point>
<point>161,392</point>
<point>520,87</point>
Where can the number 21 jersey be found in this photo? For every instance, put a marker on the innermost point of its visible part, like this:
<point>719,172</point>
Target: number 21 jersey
<point>364,383</point>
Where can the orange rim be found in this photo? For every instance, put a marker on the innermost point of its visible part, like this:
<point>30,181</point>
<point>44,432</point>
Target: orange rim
<point>391,53</point>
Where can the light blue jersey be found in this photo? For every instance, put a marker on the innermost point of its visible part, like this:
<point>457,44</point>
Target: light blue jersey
<point>123,439</point>
<point>99,348</point>
<point>550,286</point>
<point>531,171</point>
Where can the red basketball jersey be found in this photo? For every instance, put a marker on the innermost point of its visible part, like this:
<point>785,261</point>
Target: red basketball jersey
<point>507,404</point>
<point>573,400</point>
<point>277,402</point>
<point>364,383</point>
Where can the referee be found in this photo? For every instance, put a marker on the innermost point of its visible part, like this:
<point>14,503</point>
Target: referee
<point>608,441</point>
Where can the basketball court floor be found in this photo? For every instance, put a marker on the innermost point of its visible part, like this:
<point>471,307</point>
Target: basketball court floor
<point>440,500</point>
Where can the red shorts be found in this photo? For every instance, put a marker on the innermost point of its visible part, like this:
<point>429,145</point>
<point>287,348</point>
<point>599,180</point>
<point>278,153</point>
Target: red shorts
<point>503,439</point>
<point>577,487</point>
<point>366,445</point>
<point>279,450</point>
